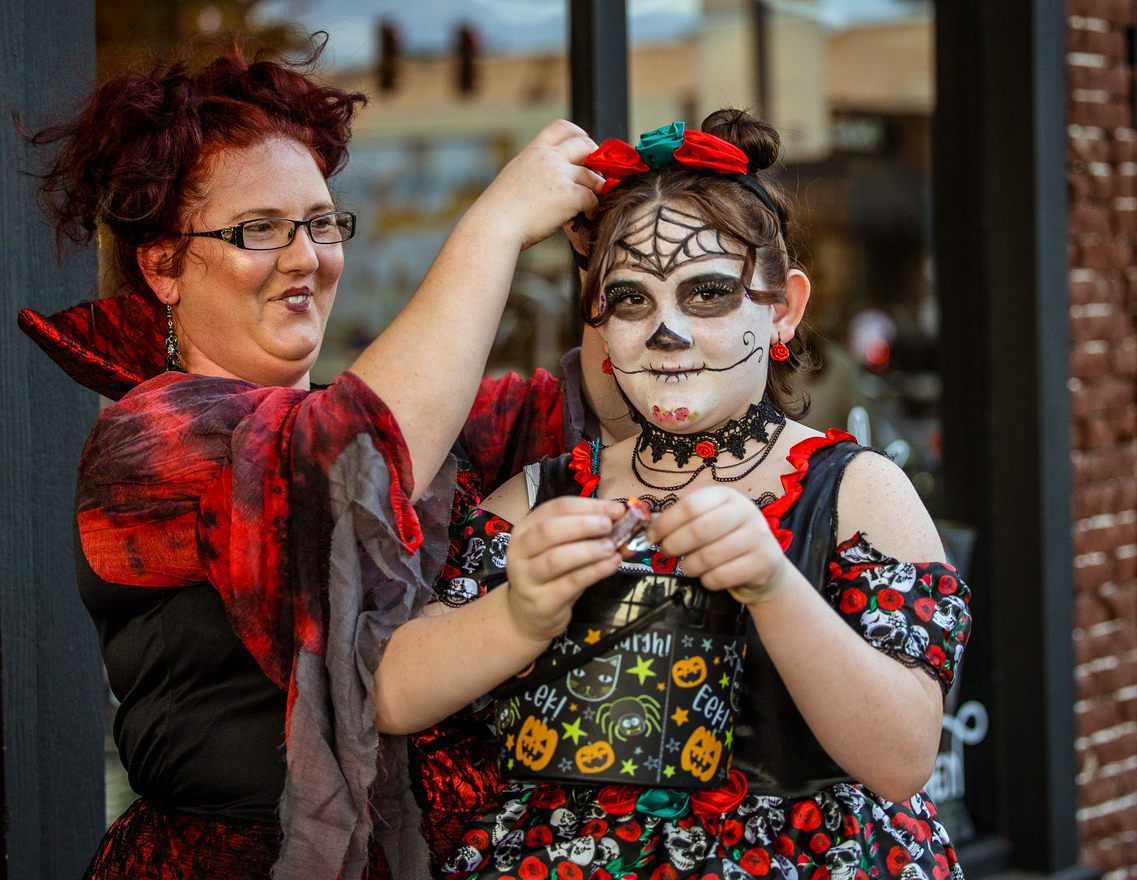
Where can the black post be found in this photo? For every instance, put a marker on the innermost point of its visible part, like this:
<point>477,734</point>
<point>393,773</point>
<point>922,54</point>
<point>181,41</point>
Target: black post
<point>598,67</point>
<point>1000,247</point>
<point>52,795</point>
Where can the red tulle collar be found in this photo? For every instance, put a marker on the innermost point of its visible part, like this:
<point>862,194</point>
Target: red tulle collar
<point>584,461</point>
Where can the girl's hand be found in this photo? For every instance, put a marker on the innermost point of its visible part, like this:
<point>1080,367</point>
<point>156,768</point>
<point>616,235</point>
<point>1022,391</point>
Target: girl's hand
<point>544,186</point>
<point>725,542</point>
<point>556,553</point>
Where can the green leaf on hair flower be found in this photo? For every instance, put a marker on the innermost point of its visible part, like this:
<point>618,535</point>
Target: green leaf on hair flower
<point>656,146</point>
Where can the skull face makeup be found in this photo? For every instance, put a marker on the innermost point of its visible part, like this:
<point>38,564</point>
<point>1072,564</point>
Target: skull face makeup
<point>687,343</point>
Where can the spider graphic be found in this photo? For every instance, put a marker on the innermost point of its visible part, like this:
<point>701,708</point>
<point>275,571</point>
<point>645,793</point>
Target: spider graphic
<point>628,716</point>
<point>508,713</point>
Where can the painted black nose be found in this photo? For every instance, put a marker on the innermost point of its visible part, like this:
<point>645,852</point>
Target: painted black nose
<point>666,339</point>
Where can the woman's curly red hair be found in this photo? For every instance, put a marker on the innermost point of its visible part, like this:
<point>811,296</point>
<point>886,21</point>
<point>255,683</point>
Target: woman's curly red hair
<point>138,152</point>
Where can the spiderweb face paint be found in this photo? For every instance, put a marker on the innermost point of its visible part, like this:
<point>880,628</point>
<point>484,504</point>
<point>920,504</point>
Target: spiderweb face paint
<point>687,345</point>
<point>663,240</point>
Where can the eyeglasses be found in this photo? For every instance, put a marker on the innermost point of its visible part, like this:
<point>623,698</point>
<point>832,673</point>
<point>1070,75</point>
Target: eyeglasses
<point>272,233</point>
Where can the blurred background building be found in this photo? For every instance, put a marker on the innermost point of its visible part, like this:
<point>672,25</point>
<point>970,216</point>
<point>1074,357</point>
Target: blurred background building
<point>964,171</point>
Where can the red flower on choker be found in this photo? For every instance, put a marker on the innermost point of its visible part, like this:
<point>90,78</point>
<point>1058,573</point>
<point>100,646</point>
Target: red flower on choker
<point>705,449</point>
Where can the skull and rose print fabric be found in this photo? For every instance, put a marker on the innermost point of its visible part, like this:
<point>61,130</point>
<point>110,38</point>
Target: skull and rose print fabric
<point>751,825</point>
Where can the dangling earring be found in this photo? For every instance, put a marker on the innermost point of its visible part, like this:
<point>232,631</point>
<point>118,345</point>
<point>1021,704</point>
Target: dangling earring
<point>606,365</point>
<point>173,359</point>
<point>778,351</point>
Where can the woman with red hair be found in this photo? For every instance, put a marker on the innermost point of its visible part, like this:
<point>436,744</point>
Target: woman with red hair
<point>246,542</point>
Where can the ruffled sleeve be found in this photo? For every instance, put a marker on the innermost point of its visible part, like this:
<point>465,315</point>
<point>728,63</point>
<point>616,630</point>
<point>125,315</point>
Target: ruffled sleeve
<point>916,612</point>
<point>295,506</point>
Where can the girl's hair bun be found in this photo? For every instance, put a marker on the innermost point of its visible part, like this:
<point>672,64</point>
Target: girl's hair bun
<point>757,139</point>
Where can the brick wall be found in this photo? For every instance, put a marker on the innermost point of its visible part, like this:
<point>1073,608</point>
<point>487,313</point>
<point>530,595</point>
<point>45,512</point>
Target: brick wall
<point>1102,159</point>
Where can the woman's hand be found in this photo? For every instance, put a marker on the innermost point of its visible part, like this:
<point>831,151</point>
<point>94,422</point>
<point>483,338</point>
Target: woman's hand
<point>725,542</point>
<point>544,186</point>
<point>556,553</point>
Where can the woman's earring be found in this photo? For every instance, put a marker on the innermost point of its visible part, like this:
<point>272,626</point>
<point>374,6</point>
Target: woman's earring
<point>606,365</point>
<point>778,351</point>
<point>173,359</point>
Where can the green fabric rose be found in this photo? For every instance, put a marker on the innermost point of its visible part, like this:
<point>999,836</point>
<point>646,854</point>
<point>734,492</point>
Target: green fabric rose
<point>655,147</point>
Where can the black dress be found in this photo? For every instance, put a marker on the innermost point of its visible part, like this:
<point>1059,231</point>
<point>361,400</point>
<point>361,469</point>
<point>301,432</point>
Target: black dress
<point>786,808</point>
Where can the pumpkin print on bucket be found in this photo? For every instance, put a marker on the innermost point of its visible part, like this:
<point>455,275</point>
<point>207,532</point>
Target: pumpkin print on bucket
<point>594,757</point>
<point>689,672</point>
<point>701,754</point>
<point>535,744</point>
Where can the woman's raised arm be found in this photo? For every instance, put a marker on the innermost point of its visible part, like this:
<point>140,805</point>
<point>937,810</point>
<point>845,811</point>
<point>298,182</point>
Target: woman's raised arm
<point>427,364</point>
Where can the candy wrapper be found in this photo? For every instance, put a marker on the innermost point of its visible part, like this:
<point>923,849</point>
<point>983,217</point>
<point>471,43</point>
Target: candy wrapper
<point>628,531</point>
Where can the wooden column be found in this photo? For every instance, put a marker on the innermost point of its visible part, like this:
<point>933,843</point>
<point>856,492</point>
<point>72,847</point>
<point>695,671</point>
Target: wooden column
<point>50,673</point>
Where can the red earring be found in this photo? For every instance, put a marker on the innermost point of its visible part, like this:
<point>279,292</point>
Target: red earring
<point>778,350</point>
<point>606,366</point>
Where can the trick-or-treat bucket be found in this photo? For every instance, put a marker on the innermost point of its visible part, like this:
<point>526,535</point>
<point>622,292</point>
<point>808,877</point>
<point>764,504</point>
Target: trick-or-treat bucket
<point>641,689</point>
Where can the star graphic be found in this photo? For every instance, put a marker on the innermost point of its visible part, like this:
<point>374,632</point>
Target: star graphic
<point>688,641</point>
<point>593,637</point>
<point>588,714</point>
<point>668,771</point>
<point>708,644</point>
<point>638,751</point>
<point>673,745</point>
<point>509,742</point>
<point>724,681</point>
<point>661,687</point>
<point>679,716</point>
<point>652,763</point>
<point>562,645</point>
<point>628,767</point>
<point>717,661</point>
<point>642,669</point>
<point>572,707</point>
<point>565,765</point>
<point>728,738</point>
<point>573,730</point>
<point>509,764</point>
<point>730,652</point>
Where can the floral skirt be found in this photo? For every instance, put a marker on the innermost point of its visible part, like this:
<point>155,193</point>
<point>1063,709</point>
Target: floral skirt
<point>148,842</point>
<point>616,833</point>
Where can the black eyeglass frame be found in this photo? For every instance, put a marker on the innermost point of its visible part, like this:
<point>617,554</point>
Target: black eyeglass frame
<point>235,235</point>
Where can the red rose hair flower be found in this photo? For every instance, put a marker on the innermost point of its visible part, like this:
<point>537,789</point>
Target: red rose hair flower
<point>614,158</point>
<point>702,150</point>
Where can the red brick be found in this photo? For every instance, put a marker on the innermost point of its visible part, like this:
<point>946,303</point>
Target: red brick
<point>1092,499</point>
<point>1090,220</point>
<point>1123,150</point>
<point>1089,149</point>
<point>1089,610</point>
<point>1088,365</point>
<point>1126,497</point>
<point>1123,360</point>
<point>1081,184</point>
<point>1091,577</point>
<point>1110,43</point>
<point>1102,715</point>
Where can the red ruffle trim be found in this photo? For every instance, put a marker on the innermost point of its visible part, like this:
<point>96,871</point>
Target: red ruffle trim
<point>581,462</point>
<point>799,457</point>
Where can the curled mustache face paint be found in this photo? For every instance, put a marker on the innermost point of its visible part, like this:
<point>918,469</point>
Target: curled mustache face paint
<point>687,345</point>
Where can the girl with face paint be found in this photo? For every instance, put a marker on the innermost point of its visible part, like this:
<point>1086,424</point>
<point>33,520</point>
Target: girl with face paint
<point>834,563</point>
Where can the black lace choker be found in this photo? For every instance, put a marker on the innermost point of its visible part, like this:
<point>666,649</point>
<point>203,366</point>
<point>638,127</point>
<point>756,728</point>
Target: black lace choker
<point>708,445</point>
